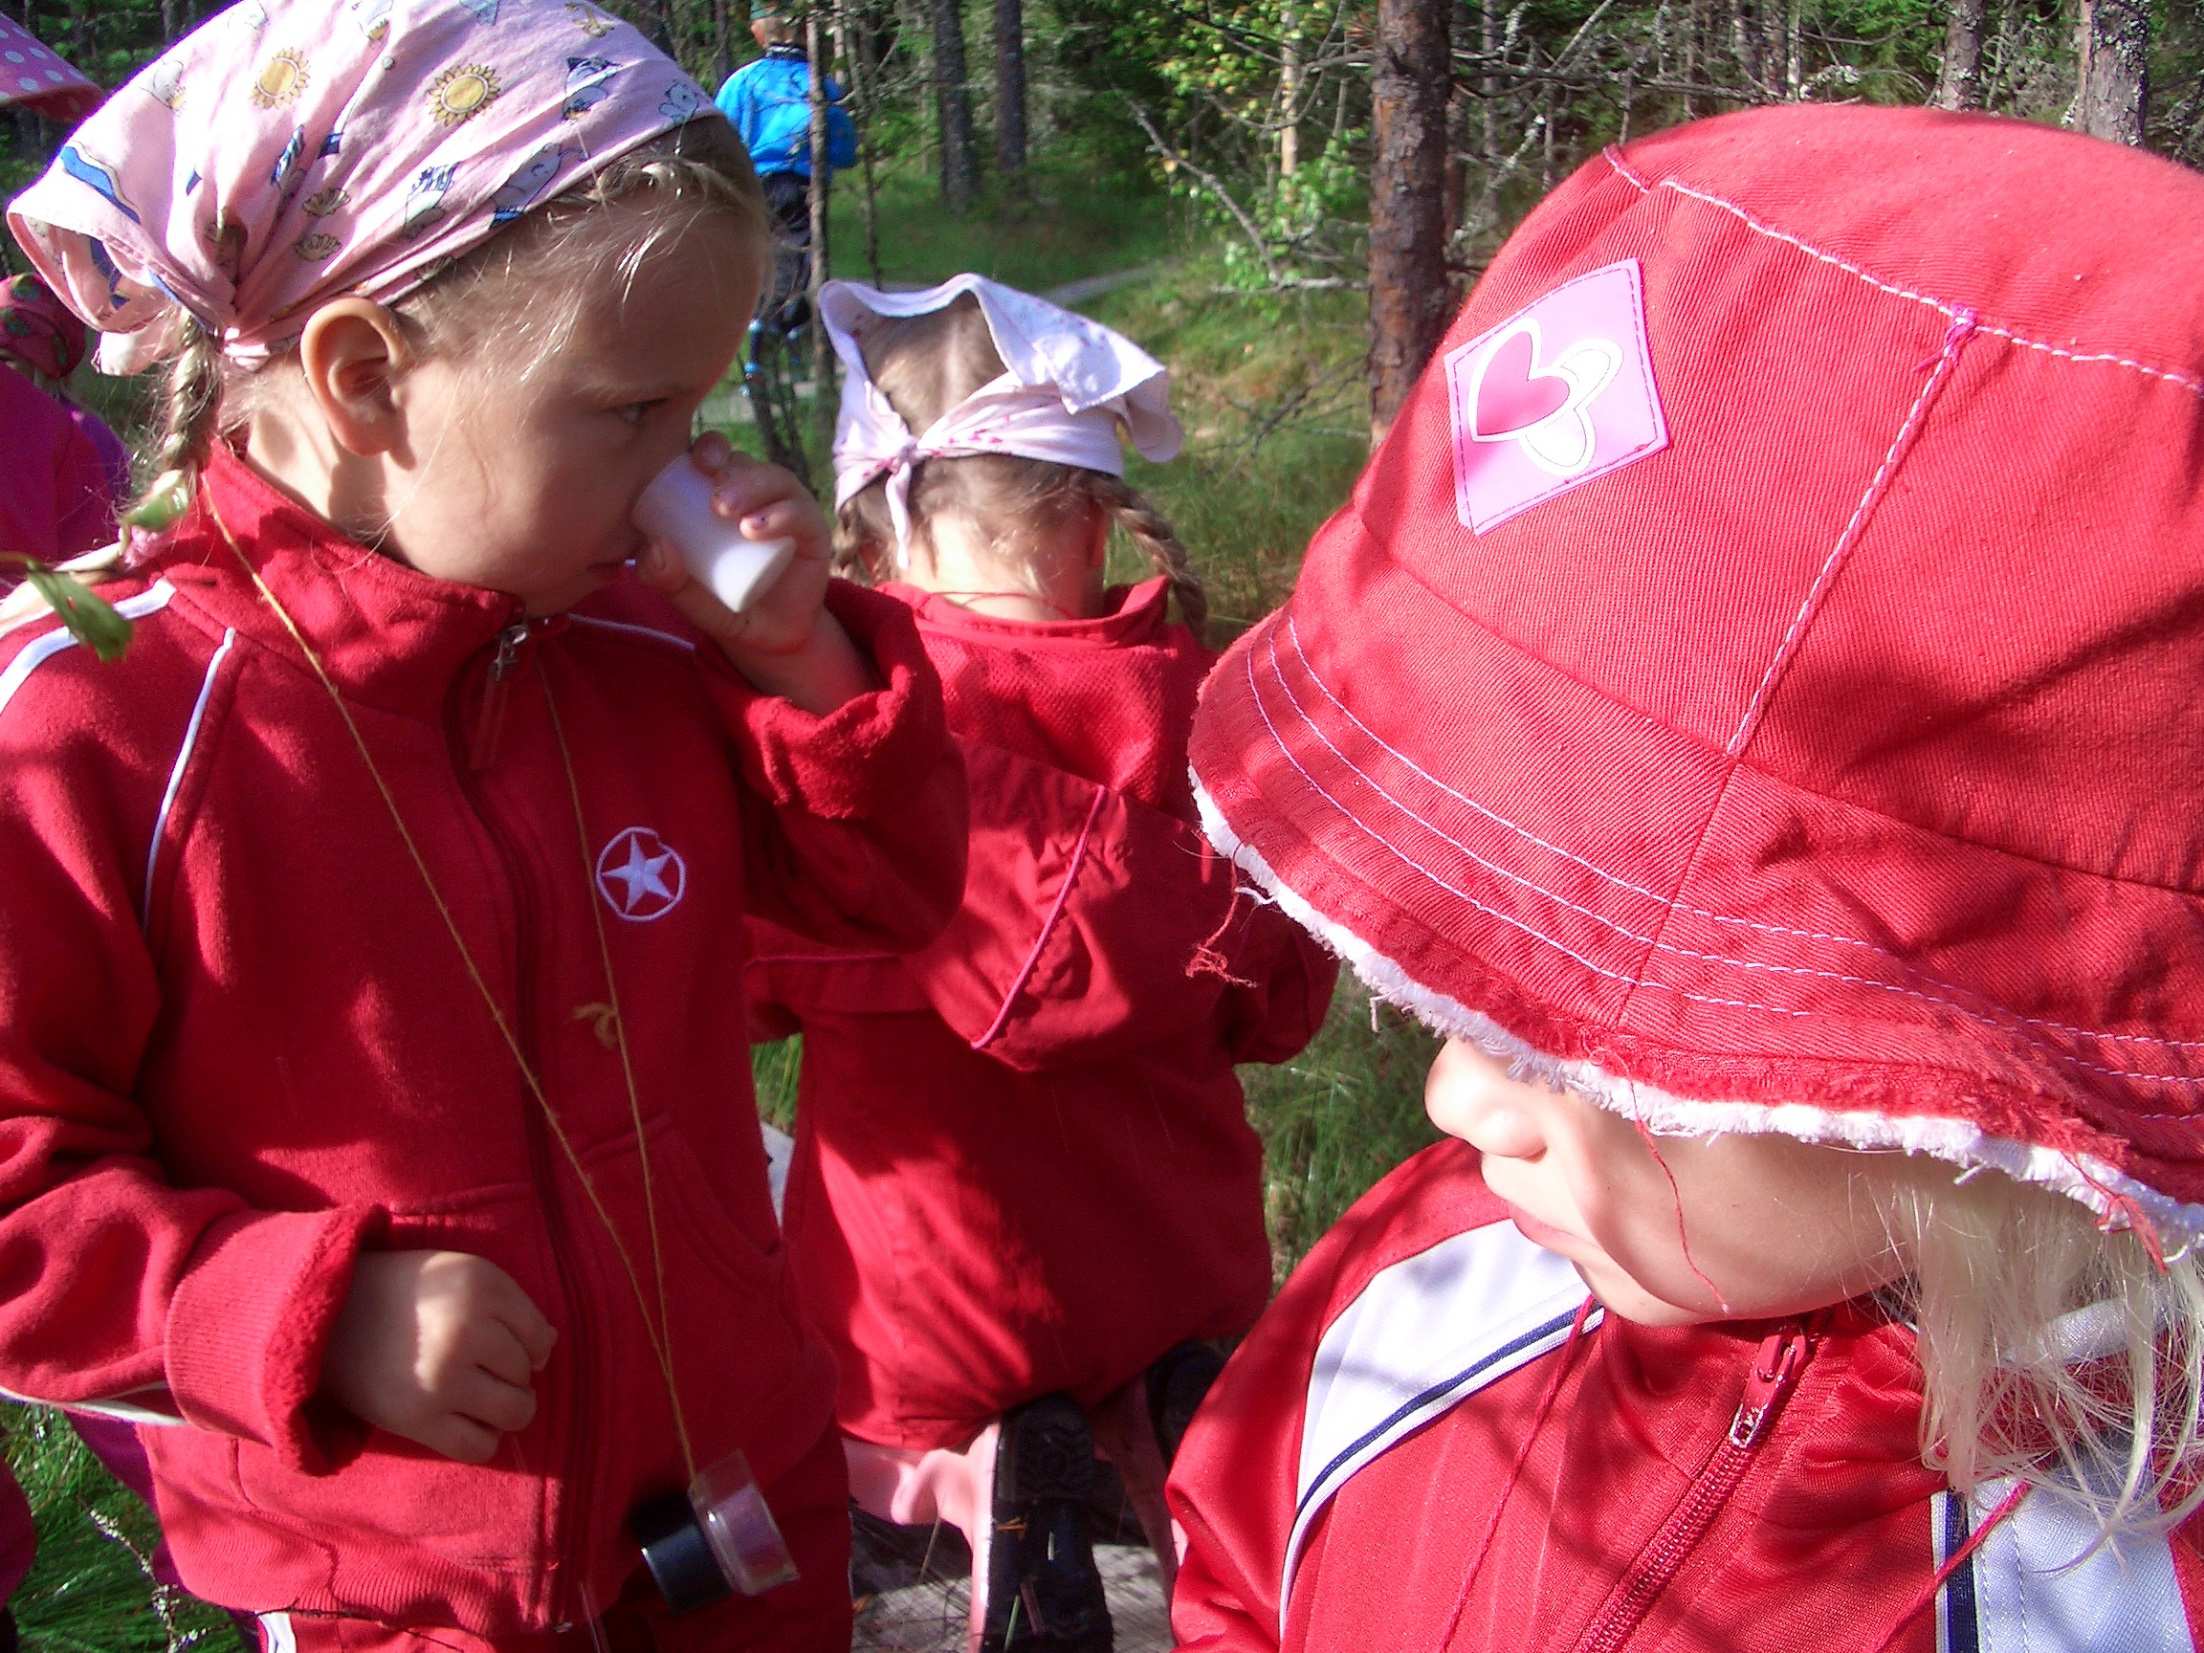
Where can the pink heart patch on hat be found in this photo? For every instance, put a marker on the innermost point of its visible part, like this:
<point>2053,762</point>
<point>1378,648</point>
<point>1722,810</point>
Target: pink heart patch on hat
<point>1556,395</point>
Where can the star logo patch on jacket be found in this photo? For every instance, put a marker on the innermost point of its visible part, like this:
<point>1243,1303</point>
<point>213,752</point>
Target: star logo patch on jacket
<point>641,876</point>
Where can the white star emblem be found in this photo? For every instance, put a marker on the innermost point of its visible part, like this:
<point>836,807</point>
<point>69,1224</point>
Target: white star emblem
<point>641,876</point>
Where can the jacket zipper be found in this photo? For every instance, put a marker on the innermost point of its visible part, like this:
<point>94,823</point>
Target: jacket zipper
<point>544,1167</point>
<point>489,725</point>
<point>1774,1368</point>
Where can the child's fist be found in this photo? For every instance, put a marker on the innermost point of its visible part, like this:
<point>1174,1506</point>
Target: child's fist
<point>440,1347</point>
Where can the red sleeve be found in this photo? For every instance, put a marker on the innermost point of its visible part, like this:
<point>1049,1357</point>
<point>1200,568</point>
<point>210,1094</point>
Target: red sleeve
<point>1282,981</point>
<point>118,1284</point>
<point>860,838</point>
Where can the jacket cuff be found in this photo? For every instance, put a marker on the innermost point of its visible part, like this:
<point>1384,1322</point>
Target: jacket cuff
<point>869,755</point>
<point>250,1322</point>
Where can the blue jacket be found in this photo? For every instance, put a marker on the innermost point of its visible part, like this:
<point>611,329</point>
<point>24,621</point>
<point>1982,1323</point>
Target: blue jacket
<point>769,102</point>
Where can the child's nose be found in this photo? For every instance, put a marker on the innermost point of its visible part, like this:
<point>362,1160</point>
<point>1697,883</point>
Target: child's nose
<point>1470,1095</point>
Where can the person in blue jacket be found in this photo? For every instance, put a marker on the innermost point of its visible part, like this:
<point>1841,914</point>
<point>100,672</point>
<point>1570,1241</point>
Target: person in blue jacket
<point>769,102</point>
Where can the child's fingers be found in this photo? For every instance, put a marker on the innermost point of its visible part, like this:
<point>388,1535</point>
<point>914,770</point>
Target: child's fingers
<point>460,1438</point>
<point>493,1402</point>
<point>516,1311</point>
<point>748,485</point>
<point>496,1348</point>
<point>712,452</point>
<point>783,519</point>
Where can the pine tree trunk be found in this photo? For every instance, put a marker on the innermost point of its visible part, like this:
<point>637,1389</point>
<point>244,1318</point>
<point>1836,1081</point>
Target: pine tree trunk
<point>850,35</point>
<point>953,104</point>
<point>825,398</point>
<point>2114,97</point>
<point>1010,92</point>
<point>723,44</point>
<point>1409,295</point>
<point>1959,84</point>
<point>1289,91</point>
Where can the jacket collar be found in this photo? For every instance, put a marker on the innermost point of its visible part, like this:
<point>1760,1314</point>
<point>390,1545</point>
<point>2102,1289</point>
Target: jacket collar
<point>392,638</point>
<point>1131,615</point>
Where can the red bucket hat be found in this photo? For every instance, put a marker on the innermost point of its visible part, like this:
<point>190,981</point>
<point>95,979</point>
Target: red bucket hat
<point>1762,671</point>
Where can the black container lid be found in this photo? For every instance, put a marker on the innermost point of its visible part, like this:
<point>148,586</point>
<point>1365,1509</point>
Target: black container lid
<point>677,1553</point>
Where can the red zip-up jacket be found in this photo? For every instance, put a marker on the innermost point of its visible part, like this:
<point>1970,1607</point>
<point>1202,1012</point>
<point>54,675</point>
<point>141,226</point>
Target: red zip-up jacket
<point>1022,1158</point>
<point>1412,1451</point>
<point>238,1044</point>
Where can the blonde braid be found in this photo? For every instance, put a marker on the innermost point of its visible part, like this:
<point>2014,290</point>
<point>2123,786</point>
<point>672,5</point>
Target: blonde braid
<point>190,418</point>
<point>1154,535</point>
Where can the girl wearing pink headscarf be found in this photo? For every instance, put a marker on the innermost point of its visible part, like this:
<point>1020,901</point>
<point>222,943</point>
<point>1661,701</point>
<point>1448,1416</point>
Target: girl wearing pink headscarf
<point>375,1122</point>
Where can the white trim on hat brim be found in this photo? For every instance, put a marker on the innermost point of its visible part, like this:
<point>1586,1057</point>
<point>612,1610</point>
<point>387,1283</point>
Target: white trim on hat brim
<point>2082,1178</point>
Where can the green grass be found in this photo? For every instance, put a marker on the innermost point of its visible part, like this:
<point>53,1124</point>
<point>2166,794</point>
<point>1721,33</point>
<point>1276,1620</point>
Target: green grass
<point>91,1589</point>
<point>1069,225</point>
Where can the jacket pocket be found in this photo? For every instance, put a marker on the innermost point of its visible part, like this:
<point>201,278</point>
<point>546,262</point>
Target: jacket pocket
<point>413,1533</point>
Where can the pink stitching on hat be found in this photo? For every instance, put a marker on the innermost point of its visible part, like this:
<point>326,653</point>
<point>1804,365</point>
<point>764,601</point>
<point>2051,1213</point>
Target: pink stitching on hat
<point>2001,1017</point>
<point>1293,634</point>
<point>1954,341</point>
<point>1613,158</point>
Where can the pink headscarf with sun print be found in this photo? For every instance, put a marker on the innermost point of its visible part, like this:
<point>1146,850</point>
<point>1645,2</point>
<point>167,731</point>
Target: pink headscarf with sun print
<point>288,151</point>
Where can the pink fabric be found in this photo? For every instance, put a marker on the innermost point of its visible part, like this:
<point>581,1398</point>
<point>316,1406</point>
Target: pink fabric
<point>57,492</point>
<point>1554,396</point>
<point>37,329</point>
<point>288,151</point>
<point>18,1535</point>
<point>34,75</point>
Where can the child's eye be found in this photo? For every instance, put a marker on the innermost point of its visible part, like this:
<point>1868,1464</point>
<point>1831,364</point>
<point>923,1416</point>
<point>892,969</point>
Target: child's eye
<point>634,413</point>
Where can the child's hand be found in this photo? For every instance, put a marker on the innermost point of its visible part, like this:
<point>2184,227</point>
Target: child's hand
<point>785,642</point>
<point>440,1347</point>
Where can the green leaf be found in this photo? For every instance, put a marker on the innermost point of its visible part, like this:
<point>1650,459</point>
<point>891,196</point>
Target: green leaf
<point>90,619</point>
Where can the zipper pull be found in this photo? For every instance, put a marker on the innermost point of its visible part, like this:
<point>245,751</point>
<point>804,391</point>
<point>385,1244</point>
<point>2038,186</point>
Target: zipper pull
<point>490,724</point>
<point>1773,1368</point>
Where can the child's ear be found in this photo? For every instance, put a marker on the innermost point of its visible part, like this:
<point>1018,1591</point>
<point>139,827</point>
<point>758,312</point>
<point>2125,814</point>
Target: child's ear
<point>352,353</point>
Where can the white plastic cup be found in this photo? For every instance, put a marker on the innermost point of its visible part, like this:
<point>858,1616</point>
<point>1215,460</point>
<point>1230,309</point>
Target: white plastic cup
<point>675,509</point>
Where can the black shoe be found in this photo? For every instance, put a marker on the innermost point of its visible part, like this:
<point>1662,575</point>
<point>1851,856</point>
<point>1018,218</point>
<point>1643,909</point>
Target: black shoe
<point>1177,1383</point>
<point>885,1557</point>
<point>1044,1594</point>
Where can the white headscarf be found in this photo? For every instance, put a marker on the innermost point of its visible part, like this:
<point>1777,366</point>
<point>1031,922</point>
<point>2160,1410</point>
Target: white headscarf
<point>1069,387</point>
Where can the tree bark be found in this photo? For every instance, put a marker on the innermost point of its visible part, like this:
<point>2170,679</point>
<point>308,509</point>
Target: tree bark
<point>723,44</point>
<point>1409,294</point>
<point>1010,92</point>
<point>825,397</point>
<point>1289,91</point>
<point>960,172</point>
<point>849,35</point>
<point>1959,84</point>
<point>2113,100</point>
